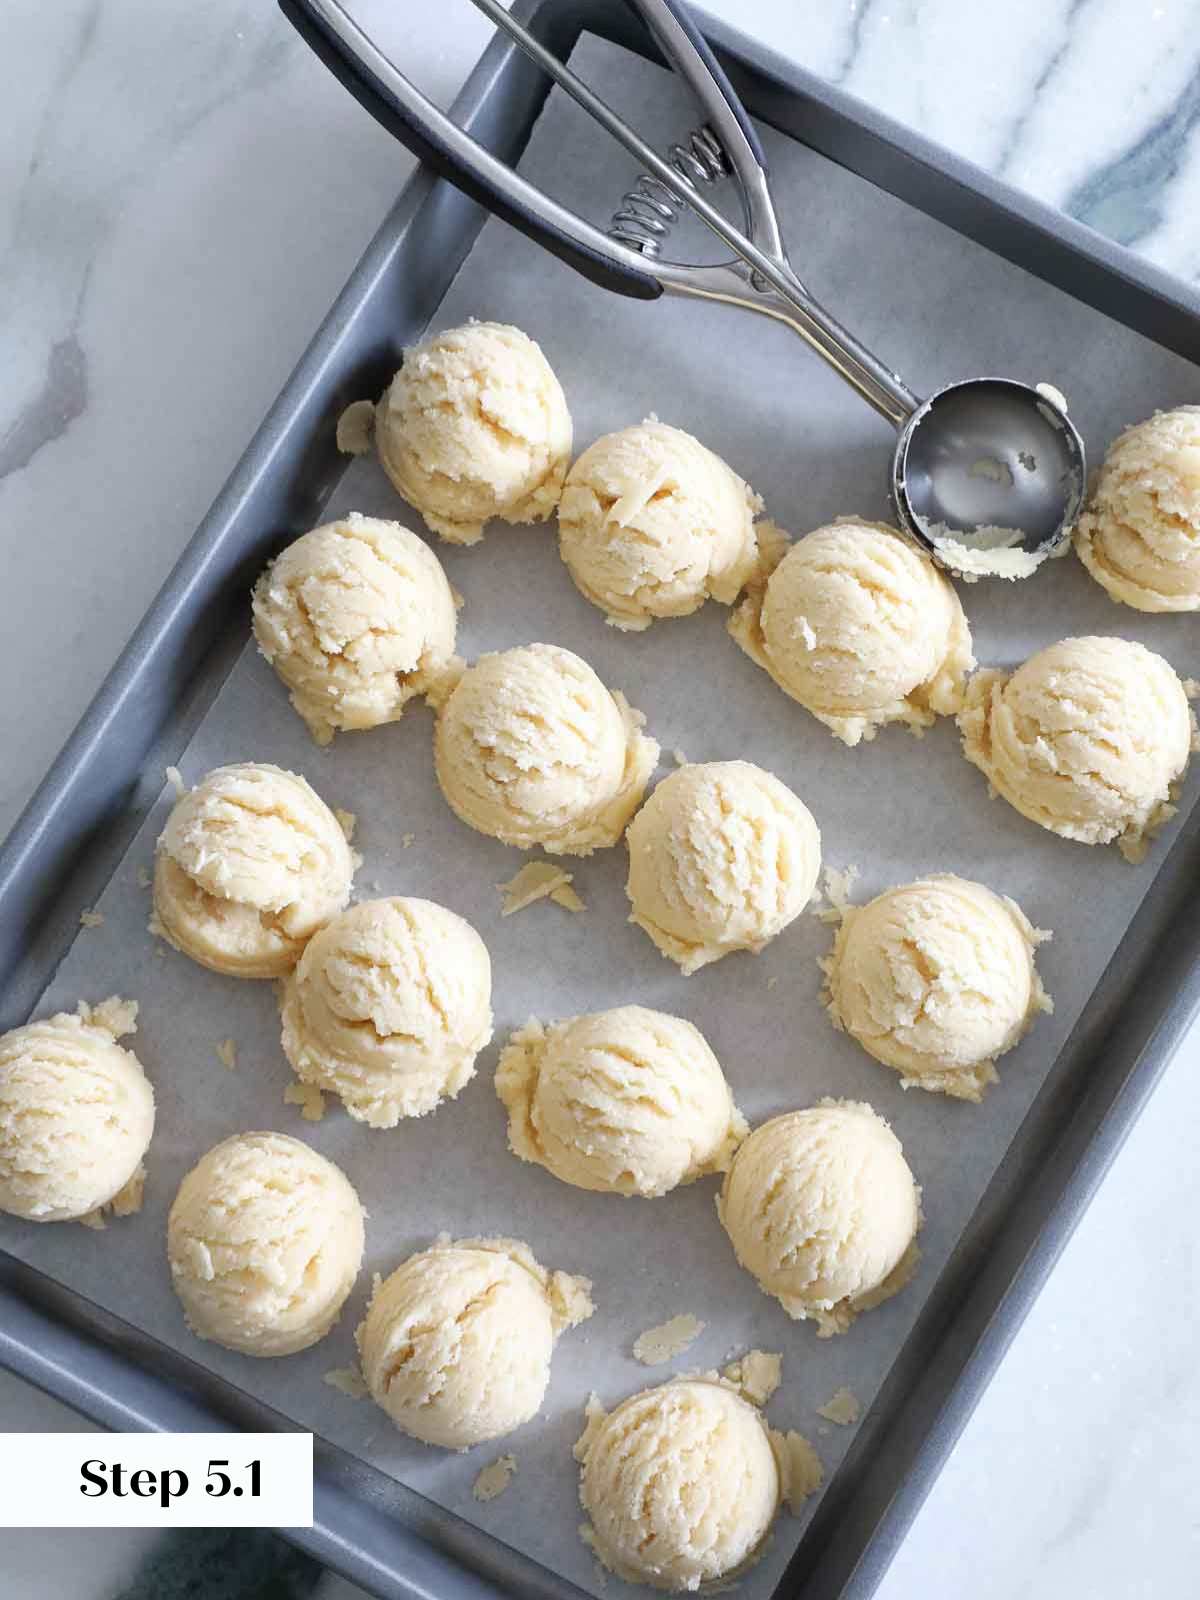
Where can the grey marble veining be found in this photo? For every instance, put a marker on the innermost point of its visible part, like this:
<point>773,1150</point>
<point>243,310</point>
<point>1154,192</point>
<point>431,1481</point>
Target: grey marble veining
<point>182,192</point>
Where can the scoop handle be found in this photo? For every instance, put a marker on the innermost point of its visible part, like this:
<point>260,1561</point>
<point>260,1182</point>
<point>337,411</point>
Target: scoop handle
<point>410,116</point>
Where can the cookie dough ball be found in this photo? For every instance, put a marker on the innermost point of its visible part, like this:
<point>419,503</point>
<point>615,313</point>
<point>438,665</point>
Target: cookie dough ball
<point>1087,738</point>
<point>652,524</point>
<point>250,864</point>
<point>388,1008</point>
<point>936,979</point>
<point>721,857</point>
<point>628,1101</point>
<point>1140,535</point>
<point>456,1343</point>
<point>475,425</point>
<point>76,1114</point>
<point>532,749</point>
<point>821,1208</point>
<point>861,628</point>
<point>680,1484</point>
<point>356,618</point>
<point>264,1242</point>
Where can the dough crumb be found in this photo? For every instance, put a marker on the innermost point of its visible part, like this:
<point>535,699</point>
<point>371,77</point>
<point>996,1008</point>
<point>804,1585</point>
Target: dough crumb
<point>773,544</point>
<point>308,1097</point>
<point>227,1054</point>
<point>800,1467</point>
<point>836,889</point>
<point>842,1407</point>
<point>347,821</point>
<point>175,778</point>
<point>91,919</point>
<point>356,428</point>
<point>567,898</point>
<point>680,758</point>
<point>538,880</point>
<point>407,841</point>
<point>593,1419</point>
<point>144,878</point>
<point>771,982</point>
<point>756,1375</point>
<point>494,1479</point>
<point>348,1381</point>
<point>127,1202</point>
<point>116,1016</point>
<point>668,1340</point>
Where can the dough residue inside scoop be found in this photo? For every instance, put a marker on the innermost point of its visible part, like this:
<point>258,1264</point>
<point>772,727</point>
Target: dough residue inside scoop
<point>994,552</point>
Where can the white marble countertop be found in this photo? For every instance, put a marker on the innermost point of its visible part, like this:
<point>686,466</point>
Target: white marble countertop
<point>182,192</point>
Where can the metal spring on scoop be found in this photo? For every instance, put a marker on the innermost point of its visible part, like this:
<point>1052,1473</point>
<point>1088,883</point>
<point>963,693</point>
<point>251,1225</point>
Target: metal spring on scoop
<point>649,210</point>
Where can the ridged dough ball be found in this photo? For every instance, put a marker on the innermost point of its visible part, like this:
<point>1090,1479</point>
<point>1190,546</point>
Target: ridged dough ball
<point>1088,738</point>
<point>1140,534</point>
<point>936,979</point>
<point>532,749</point>
<point>861,628</point>
<point>76,1113</point>
<point>264,1241</point>
<point>357,618</point>
<point>681,1484</point>
<point>653,524</point>
<point>389,1007</point>
<point>821,1208</point>
<point>722,857</point>
<point>457,1342</point>
<point>628,1101</point>
<point>250,864</point>
<point>474,426</point>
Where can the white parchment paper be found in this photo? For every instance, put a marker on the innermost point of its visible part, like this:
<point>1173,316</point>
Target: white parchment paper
<point>940,308</point>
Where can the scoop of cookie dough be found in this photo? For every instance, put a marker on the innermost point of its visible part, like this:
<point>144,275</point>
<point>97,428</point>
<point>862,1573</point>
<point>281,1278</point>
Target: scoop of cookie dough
<point>532,749</point>
<point>652,524</point>
<point>250,864</point>
<point>456,1343</point>
<point>356,617</point>
<point>264,1241</point>
<point>861,628</point>
<point>722,857</point>
<point>1140,535</point>
<point>1087,738</point>
<point>76,1113</point>
<point>388,1008</point>
<point>629,1101</point>
<point>936,979</point>
<point>680,1484</point>
<point>820,1206</point>
<point>473,426</point>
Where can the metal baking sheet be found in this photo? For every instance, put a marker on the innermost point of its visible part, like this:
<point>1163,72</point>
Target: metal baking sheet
<point>810,450</point>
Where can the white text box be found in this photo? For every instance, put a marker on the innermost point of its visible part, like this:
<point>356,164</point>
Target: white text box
<point>156,1480</point>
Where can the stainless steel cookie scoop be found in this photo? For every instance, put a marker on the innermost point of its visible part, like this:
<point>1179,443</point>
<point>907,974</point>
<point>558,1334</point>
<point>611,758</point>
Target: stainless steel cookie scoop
<point>988,466</point>
<point>988,475</point>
